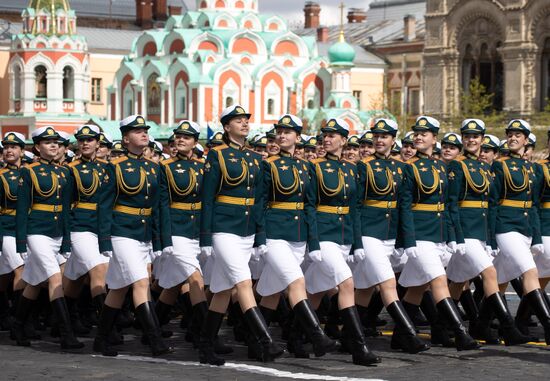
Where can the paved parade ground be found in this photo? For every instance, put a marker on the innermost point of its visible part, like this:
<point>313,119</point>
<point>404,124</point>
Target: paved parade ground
<point>44,362</point>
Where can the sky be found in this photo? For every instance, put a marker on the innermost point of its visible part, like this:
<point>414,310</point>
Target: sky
<point>292,10</point>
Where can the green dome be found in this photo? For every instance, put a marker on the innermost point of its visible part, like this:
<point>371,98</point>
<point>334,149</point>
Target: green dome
<point>341,53</point>
<point>49,5</point>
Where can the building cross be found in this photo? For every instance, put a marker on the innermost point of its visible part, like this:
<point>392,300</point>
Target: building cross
<point>341,6</point>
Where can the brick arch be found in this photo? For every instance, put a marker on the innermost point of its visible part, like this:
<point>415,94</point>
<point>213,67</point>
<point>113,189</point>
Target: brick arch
<point>222,23</point>
<point>318,84</point>
<point>273,26</point>
<point>203,4</point>
<point>245,45</point>
<point>224,78</point>
<point>246,61</point>
<point>150,49</point>
<point>288,63</point>
<point>220,4</point>
<point>209,45</point>
<point>268,77</point>
<point>127,78</point>
<point>177,46</point>
<point>248,24</point>
<point>239,4</point>
<point>287,47</point>
<point>346,104</point>
<point>181,76</point>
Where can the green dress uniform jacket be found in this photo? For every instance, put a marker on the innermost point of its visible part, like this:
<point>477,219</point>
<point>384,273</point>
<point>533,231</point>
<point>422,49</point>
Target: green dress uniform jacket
<point>542,172</point>
<point>333,195</point>
<point>180,203</point>
<point>469,185</point>
<point>9,177</point>
<point>232,191</point>
<point>85,180</point>
<point>43,203</point>
<point>424,198</point>
<point>380,183</point>
<point>285,181</point>
<point>513,199</point>
<point>129,204</point>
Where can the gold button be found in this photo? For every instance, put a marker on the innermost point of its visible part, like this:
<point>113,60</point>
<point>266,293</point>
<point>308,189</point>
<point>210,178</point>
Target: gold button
<point>57,197</point>
<point>438,214</point>
<point>247,188</point>
<point>194,195</point>
<point>347,185</point>
<point>387,215</point>
<point>339,218</point>
<point>251,164</point>
<point>55,218</point>
<point>301,182</point>
<point>148,173</point>
<point>251,176</point>
<point>299,194</point>
<point>142,221</point>
<point>59,186</point>
<point>300,172</point>
<point>246,213</point>
<point>393,173</point>
<point>295,217</point>
<point>248,154</point>
<point>146,163</point>
<point>483,214</point>
<point>525,214</point>
<point>192,217</point>
<point>147,197</point>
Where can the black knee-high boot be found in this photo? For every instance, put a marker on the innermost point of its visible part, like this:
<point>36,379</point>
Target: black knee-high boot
<point>376,306</point>
<point>312,328</point>
<point>187,307</point>
<point>439,334</point>
<point>537,301</point>
<point>404,334</point>
<point>470,307</point>
<point>333,319</point>
<point>61,314</point>
<point>479,292</point>
<point>106,325</point>
<point>481,330</point>
<point>361,354</point>
<point>269,350</point>
<point>239,326</point>
<point>511,335</point>
<point>6,320</point>
<point>209,332</point>
<point>151,328</point>
<point>76,323</point>
<point>24,309</point>
<point>163,311</point>
<point>448,310</point>
<point>295,343</point>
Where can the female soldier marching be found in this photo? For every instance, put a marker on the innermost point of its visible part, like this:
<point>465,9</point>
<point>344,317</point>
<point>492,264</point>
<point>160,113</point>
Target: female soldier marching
<point>44,190</point>
<point>230,228</point>
<point>335,231</point>
<point>128,226</point>
<point>379,182</point>
<point>469,184</point>
<point>286,181</point>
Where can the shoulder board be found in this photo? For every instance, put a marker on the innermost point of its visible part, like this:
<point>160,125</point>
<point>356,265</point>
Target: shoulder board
<point>119,160</point>
<point>32,165</point>
<point>543,161</point>
<point>198,160</point>
<point>220,147</point>
<point>74,163</point>
<point>348,161</point>
<point>318,160</point>
<point>168,161</point>
<point>102,161</point>
<point>460,158</point>
<point>368,159</point>
<point>272,158</point>
<point>4,170</point>
<point>398,160</point>
<point>414,159</point>
<point>501,159</point>
<point>150,160</point>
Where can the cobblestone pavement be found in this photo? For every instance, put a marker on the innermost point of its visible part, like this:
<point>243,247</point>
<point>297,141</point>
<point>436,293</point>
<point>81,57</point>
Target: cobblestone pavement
<point>43,361</point>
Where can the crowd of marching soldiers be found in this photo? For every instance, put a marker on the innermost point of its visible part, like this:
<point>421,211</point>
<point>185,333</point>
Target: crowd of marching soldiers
<point>315,233</point>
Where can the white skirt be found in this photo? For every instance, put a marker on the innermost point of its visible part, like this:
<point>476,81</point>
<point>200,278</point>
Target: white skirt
<point>42,258</point>
<point>10,259</point>
<point>426,266</point>
<point>129,262</point>
<point>232,256</point>
<point>282,266</point>
<point>542,261</point>
<point>85,255</point>
<point>376,267</point>
<point>462,268</point>
<point>514,257</point>
<point>179,265</point>
<point>256,267</point>
<point>398,261</point>
<point>157,264</point>
<point>207,265</point>
<point>331,271</point>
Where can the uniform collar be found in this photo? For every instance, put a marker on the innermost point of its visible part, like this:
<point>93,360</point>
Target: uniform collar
<point>515,155</point>
<point>44,161</point>
<point>380,156</point>
<point>422,155</point>
<point>11,166</point>
<point>86,160</point>
<point>470,155</point>
<point>134,156</point>
<point>182,157</point>
<point>284,154</point>
<point>232,144</point>
<point>330,156</point>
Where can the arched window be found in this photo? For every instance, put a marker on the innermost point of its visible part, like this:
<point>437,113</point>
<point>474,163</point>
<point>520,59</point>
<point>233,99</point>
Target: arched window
<point>230,93</point>
<point>41,81</point>
<point>313,96</point>
<point>229,101</point>
<point>181,100</point>
<point>153,95</point>
<point>17,82</point>
<point>273,100</point>
<point>270,106</point>
<point>311,104</point>
<point>128,101</point>
<point>68,82</point>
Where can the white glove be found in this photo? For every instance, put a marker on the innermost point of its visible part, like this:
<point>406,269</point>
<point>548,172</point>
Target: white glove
<point>24,256</point>
<point>350,259</point>
<point>461,249</point>
<point>108,254</point>
<point>451,247</point>
<point>262,250</point>
<point>411,252</point>
<point>398,252</point>
<point>537,249</point>
<point>207,251</point>
<point>359,254</point>
<point>315,256</point>
<point>168,250</point>
<point>256,254</point>
<point>66,254</point>
<point>157,254</point>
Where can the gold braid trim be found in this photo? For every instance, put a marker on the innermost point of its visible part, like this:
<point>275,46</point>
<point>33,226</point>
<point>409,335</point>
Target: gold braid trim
<point>90,191</point>
<point>477,188</point>
<point>546,172</point>
<point>277,181</point>
<point>125,187</point>
<point>371,179</point>
<point>46,194</point>
<point>509,182</point>
<point>326,190</point>
<point>174,187</point>
<point>232,181</point>
<point>423,188</point>
<point>9,196</point>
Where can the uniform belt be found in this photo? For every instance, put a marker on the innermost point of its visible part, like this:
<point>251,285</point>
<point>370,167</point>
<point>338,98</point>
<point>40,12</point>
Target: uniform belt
<point>473,204</point>
<point>133,211</point>
<point>333,209</point>
<point>428,207</point>
<point>8,212</point>
<point>186,205</point>
<point>286,205</point>
<point>47,208</point>
<point>545,205</point>
<point>516,203</point>
<point>235,200</point>
<point>85,205</point>
<point>380,204</point>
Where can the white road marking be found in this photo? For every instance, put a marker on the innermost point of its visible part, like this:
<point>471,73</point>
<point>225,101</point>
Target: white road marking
<point>255,369</point>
